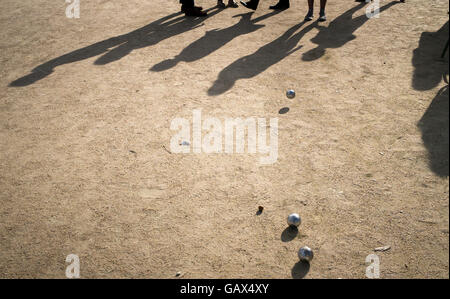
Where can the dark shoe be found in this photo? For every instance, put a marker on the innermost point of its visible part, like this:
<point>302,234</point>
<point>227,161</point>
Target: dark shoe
<point>309,16</point>
<point>194,12</point>
<point>232,4</point>
<point>322,18</point>
<point>252,4</point>
<point>220,4</point>
<point>183,8</point>
<point>281,5</point>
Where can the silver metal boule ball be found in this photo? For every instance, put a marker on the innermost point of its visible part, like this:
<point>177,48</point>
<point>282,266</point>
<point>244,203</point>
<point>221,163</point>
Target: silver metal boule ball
<point>294,220</point>
<point>305,254</point>
<point>290,94</point>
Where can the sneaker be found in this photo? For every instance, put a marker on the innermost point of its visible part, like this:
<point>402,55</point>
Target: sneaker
<point>322,18</point>
<point>309,16</point>
<point>220,4</point>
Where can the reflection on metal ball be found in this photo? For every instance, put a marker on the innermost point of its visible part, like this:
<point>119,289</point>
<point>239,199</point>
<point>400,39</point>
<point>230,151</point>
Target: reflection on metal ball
<point>290,94</point>
<point>294,220</point>
<point>305,254</point>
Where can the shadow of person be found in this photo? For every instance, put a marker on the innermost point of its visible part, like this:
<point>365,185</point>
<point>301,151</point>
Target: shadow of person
<point>434,126</point>
<point>289,234</point>
<point>213,40</point>
<point>427,68</point>
<point>339,32</point>
<point>256,63</point>
<point>118,47</point>
<point>300,270</point>
<point>429,71</point>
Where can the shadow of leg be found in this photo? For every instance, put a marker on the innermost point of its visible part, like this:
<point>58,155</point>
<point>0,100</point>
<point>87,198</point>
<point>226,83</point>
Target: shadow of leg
<point>289,234</point>
<point>29,79</point>
<point>300,270</point>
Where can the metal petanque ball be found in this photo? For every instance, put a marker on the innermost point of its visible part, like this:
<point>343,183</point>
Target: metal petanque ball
<point>305,254</point>
<point>290,94</point>
<point>294,220</point>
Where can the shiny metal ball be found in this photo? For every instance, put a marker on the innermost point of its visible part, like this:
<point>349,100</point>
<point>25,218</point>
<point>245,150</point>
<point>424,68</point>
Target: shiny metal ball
<point>294,220</point>
<point>290,94</point>
<point>305,254</point>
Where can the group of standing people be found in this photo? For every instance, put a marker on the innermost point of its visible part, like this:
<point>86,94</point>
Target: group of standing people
<point>189,8</point>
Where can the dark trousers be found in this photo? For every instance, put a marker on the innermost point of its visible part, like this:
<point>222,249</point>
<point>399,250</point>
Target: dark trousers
<point>187,3</point>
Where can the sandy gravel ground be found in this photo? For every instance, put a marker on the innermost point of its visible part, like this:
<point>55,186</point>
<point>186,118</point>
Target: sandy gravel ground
<point>85,162</point>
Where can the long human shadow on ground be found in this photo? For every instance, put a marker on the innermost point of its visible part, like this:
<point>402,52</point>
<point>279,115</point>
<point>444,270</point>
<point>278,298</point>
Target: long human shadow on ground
<point>429,71</point>
<point>256,63</point>
<point>339,32</point>
<point>214,40</point>
<point>428,68</point>
<point>118,47</point>
<point>435,130</point>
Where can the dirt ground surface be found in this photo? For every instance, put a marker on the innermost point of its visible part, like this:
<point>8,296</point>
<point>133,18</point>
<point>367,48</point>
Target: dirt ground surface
<point>86,167</point>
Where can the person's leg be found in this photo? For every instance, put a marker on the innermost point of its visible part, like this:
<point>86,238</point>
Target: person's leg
<point>310,14</point>
<point>282,4</point>
<point>232,3</point>
<point>186,4</point>
<point>323,4</point>
<point>189,9</point>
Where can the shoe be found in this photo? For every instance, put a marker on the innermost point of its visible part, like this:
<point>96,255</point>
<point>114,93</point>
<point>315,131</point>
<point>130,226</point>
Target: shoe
<point>232,4</point>
<point>194,12</point>
<point>281,5</point>
<point>309,16</point>
<point>252,4</point>
<point>220,4</point>
<point>322,18</point>
<point>183,8</point>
